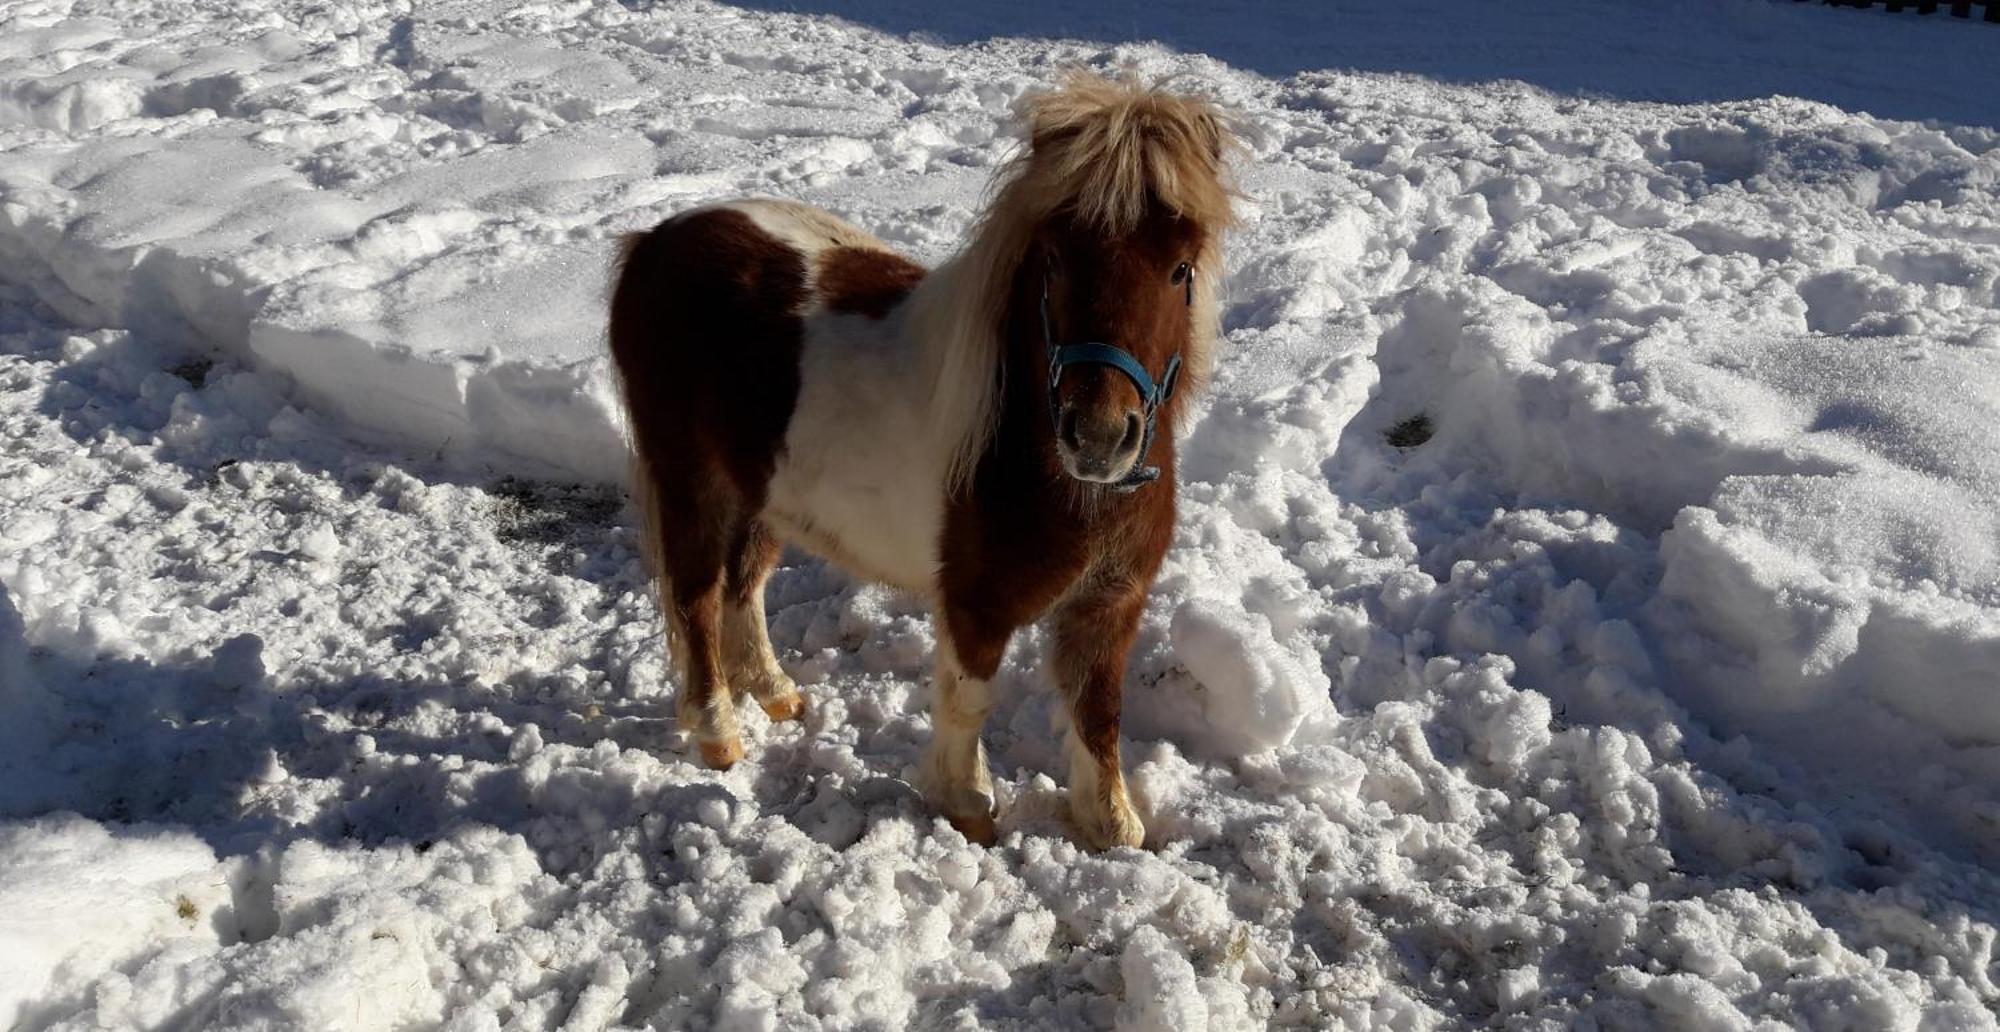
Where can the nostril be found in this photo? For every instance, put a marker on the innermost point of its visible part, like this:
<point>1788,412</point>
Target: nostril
<point>1066,431</point>
<point>1130,442</point>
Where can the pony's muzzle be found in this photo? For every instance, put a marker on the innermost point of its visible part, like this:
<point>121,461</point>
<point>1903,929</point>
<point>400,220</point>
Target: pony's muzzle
<point>1099,443</point>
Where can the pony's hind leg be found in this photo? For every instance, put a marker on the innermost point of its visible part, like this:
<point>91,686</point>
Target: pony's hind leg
<point>1093,632</point>
<point>704,708</point>
<point>688,544</point>
<point>751,665</point>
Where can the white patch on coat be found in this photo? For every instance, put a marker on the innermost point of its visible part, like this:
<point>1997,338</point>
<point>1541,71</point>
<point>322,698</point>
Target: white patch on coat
<point>953,770</point>
<point>807,230</point>
<point>861,478</point>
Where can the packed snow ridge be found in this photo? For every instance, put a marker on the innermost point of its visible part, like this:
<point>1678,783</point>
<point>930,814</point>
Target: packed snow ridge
<point>1585,609</point>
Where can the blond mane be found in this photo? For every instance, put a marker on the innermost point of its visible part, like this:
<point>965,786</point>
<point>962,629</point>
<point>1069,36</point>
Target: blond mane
<point>1101,149</point>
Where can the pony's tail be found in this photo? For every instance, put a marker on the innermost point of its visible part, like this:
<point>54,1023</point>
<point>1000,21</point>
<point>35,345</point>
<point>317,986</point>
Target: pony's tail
<point>636,322</point>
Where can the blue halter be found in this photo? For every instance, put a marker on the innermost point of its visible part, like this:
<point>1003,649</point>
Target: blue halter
<point>1151,394</point>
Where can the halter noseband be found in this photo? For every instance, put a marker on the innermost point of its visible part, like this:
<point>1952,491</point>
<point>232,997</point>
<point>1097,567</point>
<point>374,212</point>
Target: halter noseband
<point>1151,394</point>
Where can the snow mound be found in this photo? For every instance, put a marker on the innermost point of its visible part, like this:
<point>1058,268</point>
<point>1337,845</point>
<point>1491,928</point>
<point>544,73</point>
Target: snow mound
<point>1254,693</point>
<point>82,902</point>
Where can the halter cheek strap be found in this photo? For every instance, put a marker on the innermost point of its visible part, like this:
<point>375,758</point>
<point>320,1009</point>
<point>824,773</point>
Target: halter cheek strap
<point>1151,394</point>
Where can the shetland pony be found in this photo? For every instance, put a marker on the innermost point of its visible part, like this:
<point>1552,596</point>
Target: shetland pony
<point>982,434</point>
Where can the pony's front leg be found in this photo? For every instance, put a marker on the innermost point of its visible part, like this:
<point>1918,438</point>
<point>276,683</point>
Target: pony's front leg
<point>1093,633</point>
<point>955,778</point>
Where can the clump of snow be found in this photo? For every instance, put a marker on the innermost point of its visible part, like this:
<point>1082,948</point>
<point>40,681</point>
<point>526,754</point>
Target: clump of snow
<point>1656,685</point>
<point>1253,693</point>
<point>80,901</point>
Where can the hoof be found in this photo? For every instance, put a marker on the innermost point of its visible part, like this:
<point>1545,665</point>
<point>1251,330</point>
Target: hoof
<point>978,830</point>
<point>723,754</point>
<point>784,707</point>
<point>1121,827</point>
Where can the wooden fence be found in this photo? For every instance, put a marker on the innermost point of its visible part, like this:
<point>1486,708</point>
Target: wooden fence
<point>1958,8</point>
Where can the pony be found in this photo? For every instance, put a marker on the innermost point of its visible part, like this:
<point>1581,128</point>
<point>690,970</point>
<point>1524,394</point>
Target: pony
<point>995,435</point>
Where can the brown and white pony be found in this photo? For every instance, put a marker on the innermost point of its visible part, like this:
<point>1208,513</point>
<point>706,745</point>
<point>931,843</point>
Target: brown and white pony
<point>970,434</point>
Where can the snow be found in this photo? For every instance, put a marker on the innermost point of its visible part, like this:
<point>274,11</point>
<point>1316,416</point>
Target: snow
<point>69,922</point>
<point>1651,679</point>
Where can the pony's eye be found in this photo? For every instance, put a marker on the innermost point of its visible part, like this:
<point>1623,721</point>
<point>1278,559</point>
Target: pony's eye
<point>1180,273</point>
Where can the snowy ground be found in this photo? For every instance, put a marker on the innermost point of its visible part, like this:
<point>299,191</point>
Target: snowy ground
<point>1586,606</point>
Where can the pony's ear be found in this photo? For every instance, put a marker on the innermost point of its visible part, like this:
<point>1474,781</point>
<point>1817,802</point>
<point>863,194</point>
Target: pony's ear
<point>1043,254</point>
<point>1215,132</point>
<point>1048,136</point>
<point>1044,122</point>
